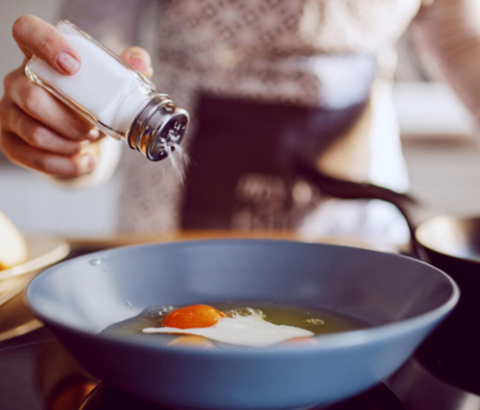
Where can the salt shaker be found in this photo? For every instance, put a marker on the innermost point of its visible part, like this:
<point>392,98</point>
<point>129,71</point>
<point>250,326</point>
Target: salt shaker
<point>113,96</point>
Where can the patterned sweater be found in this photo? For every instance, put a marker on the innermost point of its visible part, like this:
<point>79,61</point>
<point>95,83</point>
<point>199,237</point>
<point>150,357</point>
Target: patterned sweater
<point>275,51</point>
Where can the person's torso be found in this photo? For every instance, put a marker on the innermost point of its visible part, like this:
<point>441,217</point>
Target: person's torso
<point>305,52</point>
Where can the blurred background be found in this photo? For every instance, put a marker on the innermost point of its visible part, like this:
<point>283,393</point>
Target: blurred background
<point>438,140</point>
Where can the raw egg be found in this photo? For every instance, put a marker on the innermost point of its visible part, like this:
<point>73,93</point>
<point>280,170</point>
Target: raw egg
<point>246,330</point>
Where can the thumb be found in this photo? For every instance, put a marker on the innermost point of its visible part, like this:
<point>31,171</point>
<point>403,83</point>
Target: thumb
<point>139,59</point>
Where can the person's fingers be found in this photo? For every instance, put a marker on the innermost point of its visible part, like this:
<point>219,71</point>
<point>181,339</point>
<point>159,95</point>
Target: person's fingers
<point>36,37</point>
<point>44,107</point>
<point>38,135</point>
<point>139,59</point>
<point>21,153</point>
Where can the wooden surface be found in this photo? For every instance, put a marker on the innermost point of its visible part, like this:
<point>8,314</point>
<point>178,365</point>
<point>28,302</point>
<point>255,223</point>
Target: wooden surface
<point>103,242</point>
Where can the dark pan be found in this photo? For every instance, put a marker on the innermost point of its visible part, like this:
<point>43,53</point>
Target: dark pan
<point>450,243</point>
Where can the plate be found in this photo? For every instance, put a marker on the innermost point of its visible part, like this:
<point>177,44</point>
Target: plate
<point>15,317</point>
<point>42,252</point>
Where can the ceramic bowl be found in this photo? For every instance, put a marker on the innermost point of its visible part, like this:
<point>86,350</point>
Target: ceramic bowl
<point>402,298</point>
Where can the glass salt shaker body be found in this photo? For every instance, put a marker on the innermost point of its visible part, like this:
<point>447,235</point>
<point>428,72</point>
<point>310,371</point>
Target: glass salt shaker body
<point>113,96</point>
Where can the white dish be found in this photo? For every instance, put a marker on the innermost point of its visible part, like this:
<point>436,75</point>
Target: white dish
<point>15,319</point>
<point>42,252</point>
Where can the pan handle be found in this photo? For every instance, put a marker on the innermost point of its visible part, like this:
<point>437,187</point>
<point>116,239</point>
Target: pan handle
<point>339,188</point>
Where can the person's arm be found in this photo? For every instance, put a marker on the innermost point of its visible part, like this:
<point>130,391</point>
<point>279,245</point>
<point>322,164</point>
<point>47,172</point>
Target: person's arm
<point>448,32</point>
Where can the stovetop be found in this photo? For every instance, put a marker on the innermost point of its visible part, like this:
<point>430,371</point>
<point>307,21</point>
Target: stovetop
<point>37,373</point>
<point>379,398</point>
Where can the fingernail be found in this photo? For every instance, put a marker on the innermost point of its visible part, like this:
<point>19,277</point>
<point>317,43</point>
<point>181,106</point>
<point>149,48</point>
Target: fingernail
<point>87,163</point>
<point>138,62</point>
<point>93,134</point>
<point>68,63</point>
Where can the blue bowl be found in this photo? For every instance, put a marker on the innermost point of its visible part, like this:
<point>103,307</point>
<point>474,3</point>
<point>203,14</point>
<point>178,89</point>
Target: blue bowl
<point>402,298</point>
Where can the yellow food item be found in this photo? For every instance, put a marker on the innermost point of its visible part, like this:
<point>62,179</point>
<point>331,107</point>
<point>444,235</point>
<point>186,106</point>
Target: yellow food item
<point>193,316</point>
<point>192,341</point>
<point>249,329</point>
<point>13,247</point>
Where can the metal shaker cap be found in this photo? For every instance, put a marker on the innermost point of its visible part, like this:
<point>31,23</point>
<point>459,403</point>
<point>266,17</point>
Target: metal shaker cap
<point>158,128</point>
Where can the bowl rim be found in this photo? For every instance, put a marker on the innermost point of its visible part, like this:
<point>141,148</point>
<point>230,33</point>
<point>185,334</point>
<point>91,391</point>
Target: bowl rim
<point>328,342</point>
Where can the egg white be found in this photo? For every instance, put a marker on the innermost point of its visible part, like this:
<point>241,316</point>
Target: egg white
<point>250,330</point>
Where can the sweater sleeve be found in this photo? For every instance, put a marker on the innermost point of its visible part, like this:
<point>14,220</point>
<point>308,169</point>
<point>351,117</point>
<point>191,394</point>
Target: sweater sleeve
<point>448,33</point>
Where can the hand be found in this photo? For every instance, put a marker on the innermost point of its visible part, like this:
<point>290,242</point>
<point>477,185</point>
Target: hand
<point>37,130</point>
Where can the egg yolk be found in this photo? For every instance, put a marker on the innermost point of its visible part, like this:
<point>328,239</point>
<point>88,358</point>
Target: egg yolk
<point>193,316</point>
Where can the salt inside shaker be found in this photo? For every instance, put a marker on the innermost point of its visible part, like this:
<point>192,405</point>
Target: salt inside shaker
<point>113,96</point>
